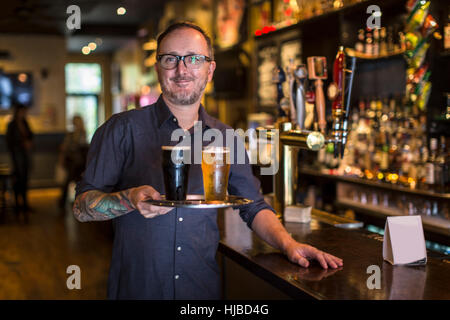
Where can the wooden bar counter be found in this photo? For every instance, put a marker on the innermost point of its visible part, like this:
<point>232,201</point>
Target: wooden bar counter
<point>358,248</point>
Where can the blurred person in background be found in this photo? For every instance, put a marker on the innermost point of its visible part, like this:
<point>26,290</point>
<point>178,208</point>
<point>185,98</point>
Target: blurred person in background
<point>19,139</point>
<point>73,156</point>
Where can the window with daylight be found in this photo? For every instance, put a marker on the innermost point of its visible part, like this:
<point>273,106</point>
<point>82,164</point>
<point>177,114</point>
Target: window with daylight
<point>83,88</point>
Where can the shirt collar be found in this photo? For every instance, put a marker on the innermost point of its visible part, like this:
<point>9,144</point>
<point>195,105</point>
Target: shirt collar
<point>164,114</point>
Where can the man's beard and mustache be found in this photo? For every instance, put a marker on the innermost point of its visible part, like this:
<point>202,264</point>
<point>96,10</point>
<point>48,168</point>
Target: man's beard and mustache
<point>183,97</point>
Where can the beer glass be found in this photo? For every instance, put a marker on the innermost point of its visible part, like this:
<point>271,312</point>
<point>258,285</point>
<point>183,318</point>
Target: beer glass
<point>175,171</point>
<point>215,168</point>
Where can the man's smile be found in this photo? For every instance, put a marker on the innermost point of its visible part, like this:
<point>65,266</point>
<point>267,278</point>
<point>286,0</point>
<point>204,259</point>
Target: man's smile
<point>182,82</point>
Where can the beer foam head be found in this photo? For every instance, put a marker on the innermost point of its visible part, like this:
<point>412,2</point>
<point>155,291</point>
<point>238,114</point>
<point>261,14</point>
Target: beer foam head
<point>216,149</point>
<point>175,148</point>
<point>216,155</point>
<point>179,154</point>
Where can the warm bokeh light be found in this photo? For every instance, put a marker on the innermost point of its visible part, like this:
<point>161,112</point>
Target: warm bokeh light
<point>145,90</point>
<point>86,50</point>
<point>151,60</point>
<point>92,46</point>
<point>150,45</point>
<point>121,11</point>
<point>377,14</point>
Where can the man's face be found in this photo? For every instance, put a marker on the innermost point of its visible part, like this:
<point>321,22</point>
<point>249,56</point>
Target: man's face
<point>182,86</point>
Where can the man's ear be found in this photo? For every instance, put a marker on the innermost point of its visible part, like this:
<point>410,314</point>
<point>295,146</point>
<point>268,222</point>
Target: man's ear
<point>211,68</point>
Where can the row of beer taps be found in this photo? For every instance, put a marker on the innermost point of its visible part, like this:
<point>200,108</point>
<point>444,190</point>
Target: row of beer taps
<point>339,92</point>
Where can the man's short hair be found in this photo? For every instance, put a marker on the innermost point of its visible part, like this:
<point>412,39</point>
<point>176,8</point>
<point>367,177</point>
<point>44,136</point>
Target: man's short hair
<point>186,24</point>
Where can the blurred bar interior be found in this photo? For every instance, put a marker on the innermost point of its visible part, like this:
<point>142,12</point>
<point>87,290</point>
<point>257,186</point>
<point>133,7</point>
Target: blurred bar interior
<point>396,156</point>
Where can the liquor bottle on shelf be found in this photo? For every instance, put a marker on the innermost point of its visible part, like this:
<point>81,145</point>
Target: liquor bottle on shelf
<point>376,42</point>
<point>372,101</point>
<point>362,109</point>
<point>402,41</point>
<point>383,44</point>
<point>416,170</point>
<point>390,40</point>
<point>441,169</point>
<point>424,154</point>
<point>389,144</point>
<point>394,157</point>
<point>359,46</point>
<point>379,108</point>
<point>385,111</point>
<point>430,181</point>
<point>406,160</point>
<point>330,161</point>
<point>368,49</point>
<point>384,161</point>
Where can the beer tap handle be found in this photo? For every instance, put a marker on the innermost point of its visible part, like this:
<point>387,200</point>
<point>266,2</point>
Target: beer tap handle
<point>320,105</point>
<point>300,76</point>
<point>348,97</point>
<point>301,108</point>
<point>351,73</point>
<point>292,97</point>
<point>338,100</point>
<point>317,70</point>
<point>278,78</point>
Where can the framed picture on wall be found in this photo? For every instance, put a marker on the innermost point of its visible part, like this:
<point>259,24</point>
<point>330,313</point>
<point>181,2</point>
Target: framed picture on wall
<point>16,88</point>
<point>290,57</point>
<point>267,62</point>
<point>230,26</point>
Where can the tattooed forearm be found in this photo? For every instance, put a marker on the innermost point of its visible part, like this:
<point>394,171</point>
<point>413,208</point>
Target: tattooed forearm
<point>97,206</point>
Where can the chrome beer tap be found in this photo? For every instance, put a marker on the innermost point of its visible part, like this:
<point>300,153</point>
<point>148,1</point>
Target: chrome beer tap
<point>290,139</point>
<point>340,94</point>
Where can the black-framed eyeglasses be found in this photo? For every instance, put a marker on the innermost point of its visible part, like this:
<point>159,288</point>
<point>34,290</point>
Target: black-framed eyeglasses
<point>191,61</point>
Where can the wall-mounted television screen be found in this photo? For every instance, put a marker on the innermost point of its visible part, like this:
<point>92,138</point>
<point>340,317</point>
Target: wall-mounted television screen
<point>15,88</point>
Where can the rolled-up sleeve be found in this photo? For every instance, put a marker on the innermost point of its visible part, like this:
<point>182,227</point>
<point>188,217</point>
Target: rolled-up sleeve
<point>243,183</point>
<point>106,157</point>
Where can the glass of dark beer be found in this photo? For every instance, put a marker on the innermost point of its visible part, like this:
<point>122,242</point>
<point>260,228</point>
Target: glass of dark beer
<point>176,171</point>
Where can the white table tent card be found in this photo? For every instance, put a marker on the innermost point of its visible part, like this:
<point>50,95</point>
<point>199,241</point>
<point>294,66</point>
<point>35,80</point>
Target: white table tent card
<point>404,241</point>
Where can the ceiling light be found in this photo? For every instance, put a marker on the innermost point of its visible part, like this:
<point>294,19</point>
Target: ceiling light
<point>92,46</point>
<point>377,14</point>
<point>86,50</point>
<point>121,11</point>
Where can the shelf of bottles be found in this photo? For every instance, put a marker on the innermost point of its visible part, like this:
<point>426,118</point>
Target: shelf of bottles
<point>391,165</point>
<point>388,143</point>
<point>378,44</point>
<point>388,140</point>
<point>273,15</point>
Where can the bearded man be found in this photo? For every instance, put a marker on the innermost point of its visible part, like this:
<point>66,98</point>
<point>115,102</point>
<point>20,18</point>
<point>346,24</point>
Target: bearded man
<point>159,252</point>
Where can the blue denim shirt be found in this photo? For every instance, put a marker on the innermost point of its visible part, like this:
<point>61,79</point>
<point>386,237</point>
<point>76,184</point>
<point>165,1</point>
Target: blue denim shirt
<point>171,256</point>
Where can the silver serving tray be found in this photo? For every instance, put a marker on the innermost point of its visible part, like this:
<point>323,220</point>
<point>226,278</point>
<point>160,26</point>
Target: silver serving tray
<point>198,201</point>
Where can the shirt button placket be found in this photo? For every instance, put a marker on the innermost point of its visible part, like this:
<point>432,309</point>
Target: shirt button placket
<point>178,249</point>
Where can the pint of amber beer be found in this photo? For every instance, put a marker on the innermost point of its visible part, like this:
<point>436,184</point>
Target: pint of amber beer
<point>215,168</point>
